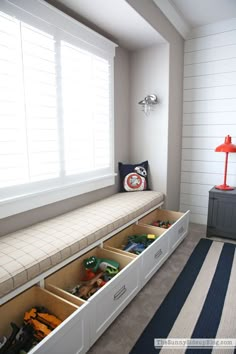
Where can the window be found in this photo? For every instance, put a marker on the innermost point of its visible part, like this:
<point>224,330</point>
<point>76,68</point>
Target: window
<point>56,107</point>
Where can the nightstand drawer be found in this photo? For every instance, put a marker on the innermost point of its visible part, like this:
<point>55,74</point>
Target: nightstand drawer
<point>221,221</point>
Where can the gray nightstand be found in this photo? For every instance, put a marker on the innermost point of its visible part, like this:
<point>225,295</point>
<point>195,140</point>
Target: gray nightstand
<point>222,213</point>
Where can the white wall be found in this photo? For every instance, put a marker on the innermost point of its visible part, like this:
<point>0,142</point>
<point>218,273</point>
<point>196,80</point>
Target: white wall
<point>155,17</point>
<point>149,135</point>
<point>209,113</point>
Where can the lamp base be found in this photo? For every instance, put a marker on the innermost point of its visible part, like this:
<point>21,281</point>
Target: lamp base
<point>224,187</point>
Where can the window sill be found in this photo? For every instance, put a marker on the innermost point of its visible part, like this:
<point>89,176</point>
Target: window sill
<point>23,203</point>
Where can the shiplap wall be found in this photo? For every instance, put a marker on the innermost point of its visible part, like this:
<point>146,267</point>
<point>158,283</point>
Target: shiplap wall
<point>209,114</point>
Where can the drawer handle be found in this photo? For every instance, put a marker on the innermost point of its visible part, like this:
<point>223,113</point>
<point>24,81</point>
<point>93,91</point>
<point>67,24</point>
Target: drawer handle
<point>159,253</point>
<point>120,292</point>
<point>181,230</point>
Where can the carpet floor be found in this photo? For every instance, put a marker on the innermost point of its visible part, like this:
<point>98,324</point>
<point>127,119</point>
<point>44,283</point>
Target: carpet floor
<point>121,336</point>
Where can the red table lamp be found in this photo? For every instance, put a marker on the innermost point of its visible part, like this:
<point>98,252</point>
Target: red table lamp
<point>226,147</point>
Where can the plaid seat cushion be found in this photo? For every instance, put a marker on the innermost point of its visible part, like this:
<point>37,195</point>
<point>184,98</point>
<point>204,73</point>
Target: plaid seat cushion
<point>29,252</point>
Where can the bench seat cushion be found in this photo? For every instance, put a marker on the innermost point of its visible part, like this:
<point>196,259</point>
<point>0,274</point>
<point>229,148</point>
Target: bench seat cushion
<point>29,252</point>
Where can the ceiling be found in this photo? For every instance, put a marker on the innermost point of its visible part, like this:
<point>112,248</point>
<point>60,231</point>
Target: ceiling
<point>188,14</point>
<point>118,21</point>
<point>203,12</point>
<point>114,17</point>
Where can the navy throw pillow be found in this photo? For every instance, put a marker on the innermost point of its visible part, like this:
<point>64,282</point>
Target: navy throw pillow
<point>133,177</point>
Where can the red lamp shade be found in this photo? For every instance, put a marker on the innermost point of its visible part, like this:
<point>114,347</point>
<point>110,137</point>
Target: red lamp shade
<point>226,147</point>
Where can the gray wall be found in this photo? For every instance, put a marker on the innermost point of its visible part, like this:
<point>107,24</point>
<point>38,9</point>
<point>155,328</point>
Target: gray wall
<point>149,134</point>
<point>155,17</point>
<point>121,117</point>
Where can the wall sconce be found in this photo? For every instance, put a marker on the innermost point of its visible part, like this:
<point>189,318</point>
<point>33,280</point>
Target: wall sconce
<point>148,102</point>
<point>227,147</point>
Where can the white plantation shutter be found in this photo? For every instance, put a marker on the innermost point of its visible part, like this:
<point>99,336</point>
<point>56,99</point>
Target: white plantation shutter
<point>56,121</point>
<point>86,110</point>
<point>13,154</point>
<point>28,105</point>
<point>38,54</point>
<point>101,107</point>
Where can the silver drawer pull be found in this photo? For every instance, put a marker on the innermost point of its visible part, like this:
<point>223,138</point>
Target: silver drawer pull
<point>120,292</point>
<point>158,254</point>
<point>181,230</point>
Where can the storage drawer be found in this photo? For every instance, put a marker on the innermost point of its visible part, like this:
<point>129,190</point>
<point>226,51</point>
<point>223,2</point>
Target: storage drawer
<point>66,338</point>
<point>177,231</point>
<point>152,257</point>
<point>117,241</point>
<point>109,300</point>
<point>113,298</point>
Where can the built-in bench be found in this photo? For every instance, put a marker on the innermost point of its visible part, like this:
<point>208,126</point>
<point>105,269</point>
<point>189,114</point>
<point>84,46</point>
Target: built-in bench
<point>30,252</point>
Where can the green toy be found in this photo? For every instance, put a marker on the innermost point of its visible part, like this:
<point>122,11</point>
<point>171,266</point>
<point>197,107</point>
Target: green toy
<point>106,265</point>
<point>145,239</point>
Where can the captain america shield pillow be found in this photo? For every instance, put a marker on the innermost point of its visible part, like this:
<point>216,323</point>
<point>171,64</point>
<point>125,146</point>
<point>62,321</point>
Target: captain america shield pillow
<point>133,177</point>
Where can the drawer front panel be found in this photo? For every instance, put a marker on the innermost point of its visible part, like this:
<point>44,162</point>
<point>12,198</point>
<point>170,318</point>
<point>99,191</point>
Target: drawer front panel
<point>72,337</point>
<point>111,300</point>
<point>178,231</point>
<point>154,256</point>
<point>68,337</point>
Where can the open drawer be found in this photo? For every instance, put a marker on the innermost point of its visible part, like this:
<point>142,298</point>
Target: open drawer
<point>152,257</point>
<point>105,304</point>
<point>66,338</point>
<point>179,224</point>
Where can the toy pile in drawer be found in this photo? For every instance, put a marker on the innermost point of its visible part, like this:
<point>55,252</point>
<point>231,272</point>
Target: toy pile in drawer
<point>136,244</point>
<point>163,224</point>
<point>38,323</point>
<point>98,272</point>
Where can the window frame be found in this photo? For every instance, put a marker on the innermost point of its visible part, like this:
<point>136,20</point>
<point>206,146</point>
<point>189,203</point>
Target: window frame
<point>42,15</point>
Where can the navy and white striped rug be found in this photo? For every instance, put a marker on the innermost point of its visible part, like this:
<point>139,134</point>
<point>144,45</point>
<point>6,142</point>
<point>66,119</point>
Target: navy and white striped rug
<point>201,303</point>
